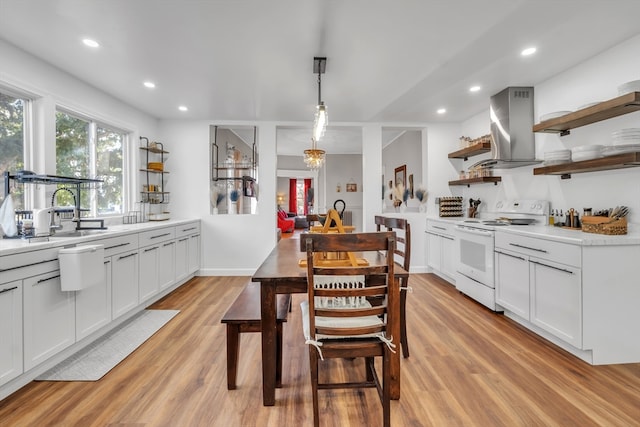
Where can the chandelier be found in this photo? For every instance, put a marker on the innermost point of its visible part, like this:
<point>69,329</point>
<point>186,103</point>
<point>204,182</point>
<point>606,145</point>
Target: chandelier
<point>314,157</point>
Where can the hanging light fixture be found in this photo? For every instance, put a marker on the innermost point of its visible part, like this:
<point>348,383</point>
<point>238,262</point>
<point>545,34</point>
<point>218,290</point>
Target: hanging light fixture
<point>321,119</point>
<point>314,157</point>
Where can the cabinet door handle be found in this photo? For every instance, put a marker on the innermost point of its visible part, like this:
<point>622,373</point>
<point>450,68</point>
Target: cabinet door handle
<point>551,266</point>
<point>527,247</point>
<point>182,240</point>
<point>169,244</point>
<point>512,256</point>
<point>195,235</point>
<point>127,256</point>
<point>47,279</point>
<point>447,237</point>
<point>28,265</point>
<point>160,235</point>
<point>115,246</point>
<point>107,262</point>
<point>151,249</point>
<point>8,290</point>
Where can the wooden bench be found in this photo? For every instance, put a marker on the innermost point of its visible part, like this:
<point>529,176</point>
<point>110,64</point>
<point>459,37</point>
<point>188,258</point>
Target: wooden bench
<point>244,316</point>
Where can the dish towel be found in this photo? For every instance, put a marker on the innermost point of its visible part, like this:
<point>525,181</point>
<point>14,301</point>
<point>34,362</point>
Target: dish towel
<point>8,217</point>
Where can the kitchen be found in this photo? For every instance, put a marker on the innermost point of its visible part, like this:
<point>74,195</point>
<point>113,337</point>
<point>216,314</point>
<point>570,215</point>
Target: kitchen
<point>584,83</point>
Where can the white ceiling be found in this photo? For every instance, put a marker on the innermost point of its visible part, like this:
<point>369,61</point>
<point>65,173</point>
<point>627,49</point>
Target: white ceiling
<point>387,61</point>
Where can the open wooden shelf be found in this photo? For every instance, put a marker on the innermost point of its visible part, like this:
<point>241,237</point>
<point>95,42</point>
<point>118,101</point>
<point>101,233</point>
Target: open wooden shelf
<point>619,161</point>
<point>624,104</point>
<point>479,180</point>
<point>474,150</point>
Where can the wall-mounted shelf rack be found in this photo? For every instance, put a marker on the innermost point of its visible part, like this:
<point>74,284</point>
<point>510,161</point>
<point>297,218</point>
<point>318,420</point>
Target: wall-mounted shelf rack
<point>154,189</point>
<point>619,161</point>
<point>478,180</point>
<point>474,150</point>
<point>615,107</point>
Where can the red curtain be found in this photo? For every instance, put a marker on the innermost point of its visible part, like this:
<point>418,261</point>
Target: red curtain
<point>292,196</point>
<point>307,185</point>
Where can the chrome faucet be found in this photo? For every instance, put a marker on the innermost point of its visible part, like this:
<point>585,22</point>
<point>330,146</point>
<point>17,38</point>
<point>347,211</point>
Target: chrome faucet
<point>76,212</point>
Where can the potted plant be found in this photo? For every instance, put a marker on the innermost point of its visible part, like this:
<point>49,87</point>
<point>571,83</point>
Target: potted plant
<point>421,195</point>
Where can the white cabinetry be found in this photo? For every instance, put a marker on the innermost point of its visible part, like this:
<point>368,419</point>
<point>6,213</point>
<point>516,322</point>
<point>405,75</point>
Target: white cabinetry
<point>187,250</point>
<point>152,253</point>
<point>49,318</point>
<point>540,281</point>
<point>124,278</point>
<point>166,264</point>
<point>10,330</point>
<point>441,249</point>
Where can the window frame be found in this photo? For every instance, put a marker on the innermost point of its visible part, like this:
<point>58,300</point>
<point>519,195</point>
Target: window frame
<point>93,124</point>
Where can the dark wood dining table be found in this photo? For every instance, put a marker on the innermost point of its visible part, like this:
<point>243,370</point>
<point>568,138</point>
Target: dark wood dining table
<point>280,273</point>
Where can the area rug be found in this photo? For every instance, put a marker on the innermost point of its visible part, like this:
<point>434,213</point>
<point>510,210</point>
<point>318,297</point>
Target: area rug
<point>94,361</point>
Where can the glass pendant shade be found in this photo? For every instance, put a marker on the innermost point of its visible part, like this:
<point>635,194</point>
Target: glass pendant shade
<point>320,121</point>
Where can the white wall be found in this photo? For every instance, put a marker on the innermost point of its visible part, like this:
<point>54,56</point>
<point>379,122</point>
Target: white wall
<point>404,150</point>
<point>594,80</point>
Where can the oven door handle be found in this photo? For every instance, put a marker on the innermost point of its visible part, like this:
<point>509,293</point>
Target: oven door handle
<point>475,231</point>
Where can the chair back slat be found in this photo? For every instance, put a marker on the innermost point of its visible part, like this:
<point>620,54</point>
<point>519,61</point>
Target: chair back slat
<point>403,237</point>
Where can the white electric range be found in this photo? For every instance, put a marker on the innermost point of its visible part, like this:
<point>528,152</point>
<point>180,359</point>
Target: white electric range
<point>475,244</point>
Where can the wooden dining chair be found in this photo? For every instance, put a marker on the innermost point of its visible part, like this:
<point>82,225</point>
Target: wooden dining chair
<point>338,319</point>
<point>402,255</point>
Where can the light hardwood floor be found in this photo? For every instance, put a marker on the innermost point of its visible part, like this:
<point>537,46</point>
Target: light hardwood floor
<point>468,367</point>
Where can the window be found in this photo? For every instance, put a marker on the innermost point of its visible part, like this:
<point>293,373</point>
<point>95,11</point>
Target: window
<point>12,141</point>
<point>87,149</point>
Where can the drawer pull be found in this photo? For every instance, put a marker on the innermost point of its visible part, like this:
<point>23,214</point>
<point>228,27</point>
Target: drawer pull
<point>160,235</point>
<point>48,278</point>
<point>189,229</point>
<point>182,240</point>
<point>27,265</point>
<point>151,249</point>
<point>509,255</point>
<point>551,266</point>
<point>169,244</point>
<point>8,290</point>
<point>115,246</point>
<point>527,247</point>
<point>127,256</point>
<point>439,228</point>
<point>107,262</point>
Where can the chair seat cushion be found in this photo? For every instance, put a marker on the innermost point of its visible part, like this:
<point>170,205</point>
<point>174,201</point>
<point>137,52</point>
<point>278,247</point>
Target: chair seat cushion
<point>335,322</point>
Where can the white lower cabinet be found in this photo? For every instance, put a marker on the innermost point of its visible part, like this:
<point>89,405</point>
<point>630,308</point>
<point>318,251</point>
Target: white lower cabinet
<point>10,331</point>
<point>556,299</point>
<point>194,254</point>
<point>148,280</point>
<point>124,278</point>
<point>182,258</point>
<point>166,264</point>
<point>441,249</point>
<point>531,285</point>
<point>93,305</point>
<point>49,318</point>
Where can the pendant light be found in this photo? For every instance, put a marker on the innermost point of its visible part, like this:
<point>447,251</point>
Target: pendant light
<point>314,157</point>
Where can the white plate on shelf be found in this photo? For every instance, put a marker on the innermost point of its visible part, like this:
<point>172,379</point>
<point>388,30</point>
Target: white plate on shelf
<point>632,86</point>
<point>620,149</point>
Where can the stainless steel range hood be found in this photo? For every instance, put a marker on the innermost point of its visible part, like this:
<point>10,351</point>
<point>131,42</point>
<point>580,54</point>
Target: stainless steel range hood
<point>512,138</point>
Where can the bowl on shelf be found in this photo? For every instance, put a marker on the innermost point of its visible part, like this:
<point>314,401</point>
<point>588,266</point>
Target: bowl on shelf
<point>628,87</point>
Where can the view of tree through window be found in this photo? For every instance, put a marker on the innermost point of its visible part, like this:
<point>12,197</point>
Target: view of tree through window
<point>85,149</point>
<point>12,142</point>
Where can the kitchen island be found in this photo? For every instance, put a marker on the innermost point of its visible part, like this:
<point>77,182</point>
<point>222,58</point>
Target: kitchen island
<point>43,325</point>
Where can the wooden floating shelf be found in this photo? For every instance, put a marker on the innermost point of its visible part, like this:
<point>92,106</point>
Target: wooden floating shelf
<point>154,150</point>
<point>479,180</point>
<point>481,148</point>
<point>615,107</point>
<point>619,161</point>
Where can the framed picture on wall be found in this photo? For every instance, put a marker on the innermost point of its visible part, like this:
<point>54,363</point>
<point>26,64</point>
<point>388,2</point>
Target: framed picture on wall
<point>352,187</point>
<point>401,175</point>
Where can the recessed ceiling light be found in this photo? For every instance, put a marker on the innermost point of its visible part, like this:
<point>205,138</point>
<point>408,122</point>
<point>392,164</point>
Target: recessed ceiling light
<point>474,88</point>
<point>150,85</point>
<point>183,108</point>
<point>441,110</point>
<point>528,51</point>
<point>90,43</point>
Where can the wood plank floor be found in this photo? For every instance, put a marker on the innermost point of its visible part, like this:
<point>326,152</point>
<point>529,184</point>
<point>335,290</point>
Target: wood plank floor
<point>468,367</point>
